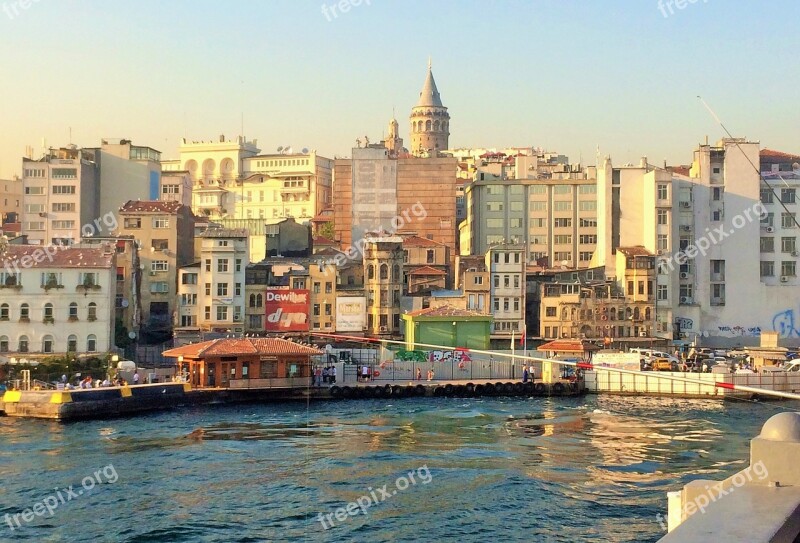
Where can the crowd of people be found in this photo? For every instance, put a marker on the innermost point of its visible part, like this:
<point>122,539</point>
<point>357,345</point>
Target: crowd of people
<point>88,382</point>
<point>326,375</point>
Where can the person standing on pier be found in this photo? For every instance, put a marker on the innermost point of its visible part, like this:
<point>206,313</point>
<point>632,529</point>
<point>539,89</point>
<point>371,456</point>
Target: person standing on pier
<point>136,377</point>
<point>332,375</point>
<point>419,374</point>
<point>524,374</point>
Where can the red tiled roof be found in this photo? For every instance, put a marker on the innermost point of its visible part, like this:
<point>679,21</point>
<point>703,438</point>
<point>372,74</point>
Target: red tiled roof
<point>427,270</point>
<point>567,346</point>
<point>444,311</point>
<point>769,153</point>
<point>636,250</point>
<point>241,346</point>
<point>417,241</point>
<point>322,240</point>
<point>681,170</point>
<point>12,227</point>
<point>150,206</point>
<point>57,256</point>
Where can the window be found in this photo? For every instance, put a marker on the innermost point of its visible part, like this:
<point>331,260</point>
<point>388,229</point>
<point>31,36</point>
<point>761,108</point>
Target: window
<point>788,196</point>
<point>550,311</point>
<point>767,245</point>
<point>585,205</point>
<point>34,191</point>
<point>329,284</point>
<point>51,279</point>
<point>72,343</point>
<point>662,191</point>
<point>588,239</point>
<point>47,344</point>
<point>716,215</point>
<point>641,288</point>
<point>91,314</point>
<point>716,194</point>
<point>23,344</point>
<point>207,288</point>
<point>328,309</point>
<point>188,299</point>
<point>588,223</point>
<point>189,279</point>
<point>160,244</point>
<point>73,311</point>
<point>132,222</point>
<point>91,343</point>
<point>662,292</point>
<point>585,255</point>
<point>516,281</point>
<point>63,189</point>
<point>3,344</point>
<point>48,312</point>
<point>494,206</point>
<point>563,205</point>
<point>36,225</point>
<point>630,288</point>
<point>24,312</point>
<point>63,225</point>
<point>587,189</point>
<point>496,304</point>
<point>4,312</point>
<point>160,223</point>
<point>63,207</point>
<point>238,264</point>
<point>562,223</point>
<point>431,256</point>
<point>159,266</point>
<point>662,242</point>
<point>506,281</point>
<point>222,265</point>
<point>516,206</point>
<point>788,245</point>
<point>317,287</point>
<point>767,268</point>
<point>717,270</point>
<point>222,313</point>
<point>538,223</point>
<point>766,196</point>
<point>222,289</point>
<point>562,239</point>
<point>207,312</point>
<point>662,216</point>
<point>768,219</point>
<point>384,271</point>
<point>34,208</point>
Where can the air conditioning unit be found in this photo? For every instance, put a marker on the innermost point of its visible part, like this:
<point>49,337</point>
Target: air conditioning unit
<point>684,275</point>
<point>795,253</point>
<point>686,204</point>
<point>642,334</point>
<point>686,300</point>
<point>152,273</point>
<point>383,329</point>
<point>770,229</point>
<point>660,252</point>
<point>564,334</point>
<point>685,228</point>
<point>784,278</point>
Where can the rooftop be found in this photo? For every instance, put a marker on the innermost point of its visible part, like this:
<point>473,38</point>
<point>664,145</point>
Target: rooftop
<point>241,346</point>
<point>427,270</point>
<point>429,96</point>
<point>56,256</point>
<point>445,311</point>
<point>636,250</point>
<point>224,233</point>
<point>417,241</point>
<point>150,206</point>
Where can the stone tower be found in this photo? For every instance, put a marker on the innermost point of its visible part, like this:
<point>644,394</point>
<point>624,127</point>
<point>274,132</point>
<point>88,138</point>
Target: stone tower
<point>430,122</point>
<point>393,141</point>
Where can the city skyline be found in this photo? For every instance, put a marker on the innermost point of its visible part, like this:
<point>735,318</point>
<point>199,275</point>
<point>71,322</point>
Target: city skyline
<point>211,71</point>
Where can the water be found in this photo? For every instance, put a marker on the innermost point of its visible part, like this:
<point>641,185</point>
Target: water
<point>560,470</point>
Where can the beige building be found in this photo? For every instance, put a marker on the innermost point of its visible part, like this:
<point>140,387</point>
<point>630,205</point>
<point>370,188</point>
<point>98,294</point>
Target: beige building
<point>176,186</point>
<point>506,265</point>
<point>11,200</point>
<point>322,280</point>
<point>383,283</point>
<point>165,233</point>
<point>426,264</point>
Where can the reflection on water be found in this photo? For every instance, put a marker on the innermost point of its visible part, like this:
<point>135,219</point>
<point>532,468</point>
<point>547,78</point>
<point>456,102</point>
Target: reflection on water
<point>568,469</point>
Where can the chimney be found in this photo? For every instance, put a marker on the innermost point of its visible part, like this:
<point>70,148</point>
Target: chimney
<point>222,138</point>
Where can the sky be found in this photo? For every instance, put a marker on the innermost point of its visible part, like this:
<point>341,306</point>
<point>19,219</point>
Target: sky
<point>570,76</point>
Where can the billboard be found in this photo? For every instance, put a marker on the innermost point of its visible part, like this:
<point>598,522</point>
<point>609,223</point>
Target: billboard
<point>351,313</point>
<point>286,310</point>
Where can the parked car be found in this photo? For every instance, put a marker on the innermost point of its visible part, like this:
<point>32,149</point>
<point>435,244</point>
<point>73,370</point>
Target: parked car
<point>663,364</point>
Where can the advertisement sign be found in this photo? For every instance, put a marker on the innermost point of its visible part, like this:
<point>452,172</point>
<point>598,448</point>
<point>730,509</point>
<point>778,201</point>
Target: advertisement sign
<point>351,313</point>
<point>286,310</point>
<point>625,361</point>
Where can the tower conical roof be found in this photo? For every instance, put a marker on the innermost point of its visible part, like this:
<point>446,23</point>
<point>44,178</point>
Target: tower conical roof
<point>430,94</point>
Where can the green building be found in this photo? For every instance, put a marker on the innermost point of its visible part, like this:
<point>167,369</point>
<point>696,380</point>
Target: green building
<point>449,327</point>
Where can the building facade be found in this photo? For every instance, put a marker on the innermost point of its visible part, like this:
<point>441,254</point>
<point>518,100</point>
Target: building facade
<point>57,301</point>
<point>11,200</point>
<point>506,265</point>
<point>383,283</point>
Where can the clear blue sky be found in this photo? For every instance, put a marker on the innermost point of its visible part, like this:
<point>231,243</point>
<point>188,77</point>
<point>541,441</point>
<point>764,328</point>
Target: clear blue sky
<point>563,74</point>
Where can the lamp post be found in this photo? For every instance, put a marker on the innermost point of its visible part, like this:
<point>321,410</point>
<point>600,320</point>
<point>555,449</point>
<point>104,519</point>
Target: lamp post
<point>112,362</point>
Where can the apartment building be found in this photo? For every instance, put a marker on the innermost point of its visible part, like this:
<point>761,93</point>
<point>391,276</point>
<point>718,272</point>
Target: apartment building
<point>165,234</point>
<point>60,196</point>
<point>506,265</point>
<point>426,264</point>
<point>383,283</point>
<point>556,219</point>
<point>176,186</point>
<point>56,302</point>
<point>11,200</point>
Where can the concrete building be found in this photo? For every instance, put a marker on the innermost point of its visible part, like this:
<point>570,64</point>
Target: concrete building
<point>426,264</point>
<point>376,192</point>
<point>176,186</point>
<point>126,172</point>
<point>11,200</point>
<point>383,283</point>
<point>745,282</point>
<point>506,265</point>
<point>165,233</point>
<point>635,208</point>
<point>56,301</point>
<point>556,220</point>
<point>60,200</point>
<point>429,121</point>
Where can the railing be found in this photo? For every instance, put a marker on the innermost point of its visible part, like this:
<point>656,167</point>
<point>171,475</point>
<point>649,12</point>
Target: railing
<point>274,382</point>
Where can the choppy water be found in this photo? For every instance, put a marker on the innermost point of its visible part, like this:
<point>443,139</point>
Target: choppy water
<point>561,470</point>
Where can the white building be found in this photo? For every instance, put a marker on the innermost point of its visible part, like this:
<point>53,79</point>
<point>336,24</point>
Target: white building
<point>506,264</point>
<point>55,300</point>
<point>60,196</point>
<point>635,208</point>
<point>212,294</point>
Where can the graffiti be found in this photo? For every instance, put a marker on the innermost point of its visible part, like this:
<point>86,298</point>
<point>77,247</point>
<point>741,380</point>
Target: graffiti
<point>743,331</point>
<point>783,323</point>
<point>415,356</point>
<point>449,356</point>
<point>684,324</point>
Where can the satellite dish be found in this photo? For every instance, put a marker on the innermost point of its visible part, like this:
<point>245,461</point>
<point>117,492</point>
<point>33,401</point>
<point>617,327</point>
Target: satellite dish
<point>124,303</point>
<point>287,150</point>
<point>132,335</point>
<point>280,148</point>
<point>305,150</point>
